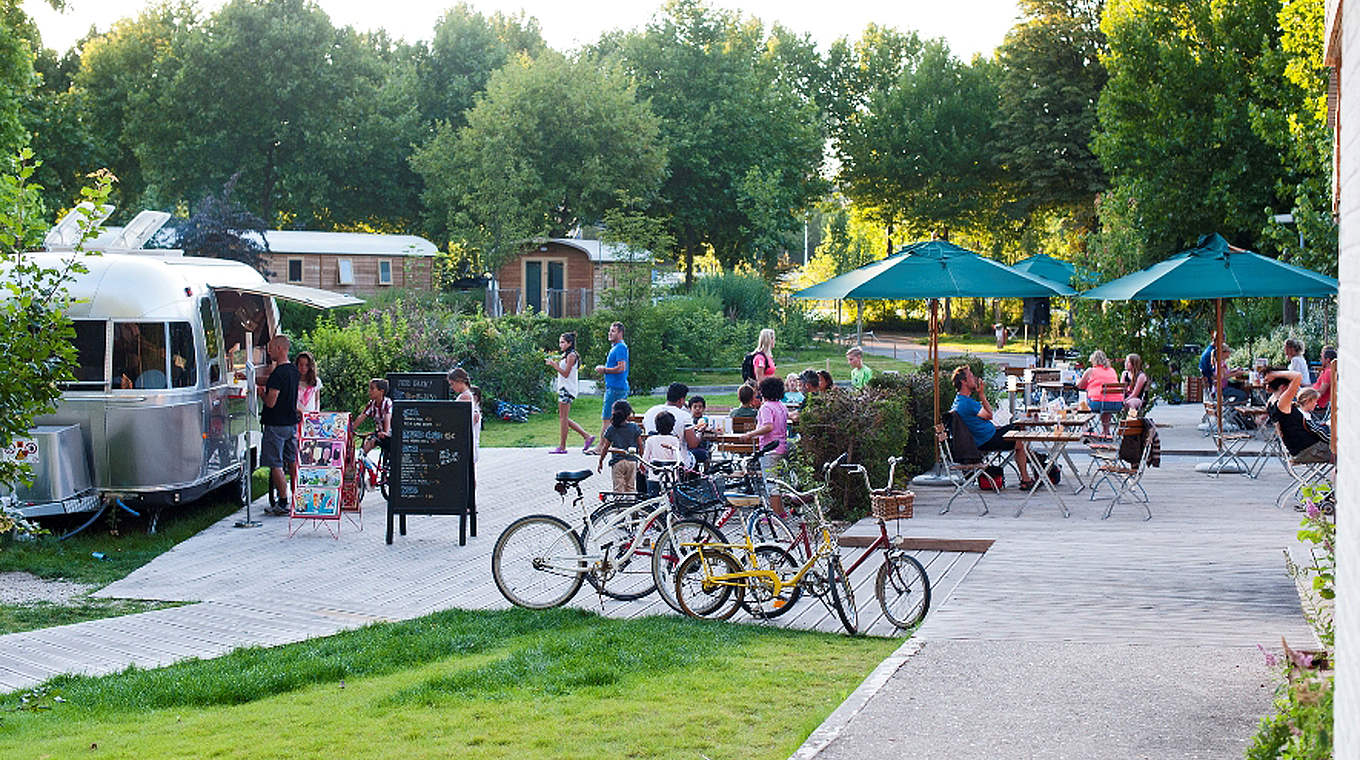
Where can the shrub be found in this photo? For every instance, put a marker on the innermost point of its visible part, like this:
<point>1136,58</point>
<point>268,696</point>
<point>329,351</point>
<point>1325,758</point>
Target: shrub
<point>741,297</point>
<point>869,425</point>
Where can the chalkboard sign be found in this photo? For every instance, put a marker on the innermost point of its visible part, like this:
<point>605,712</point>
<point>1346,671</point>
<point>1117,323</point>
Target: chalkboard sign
<point>414,386</point>
<point>431,463</point>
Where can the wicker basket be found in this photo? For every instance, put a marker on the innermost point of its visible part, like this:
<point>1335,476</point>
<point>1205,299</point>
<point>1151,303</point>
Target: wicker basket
<point>892,504</point>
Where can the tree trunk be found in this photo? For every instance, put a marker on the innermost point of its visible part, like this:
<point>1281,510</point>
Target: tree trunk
<point>949,316</point>
<point>890,238</point>
<point>1290,311</point>
<point>689,265</point>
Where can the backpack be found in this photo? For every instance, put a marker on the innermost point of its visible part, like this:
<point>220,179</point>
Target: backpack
<point>748,366</point>
<point>1054,471</point>
<point>993,478</point>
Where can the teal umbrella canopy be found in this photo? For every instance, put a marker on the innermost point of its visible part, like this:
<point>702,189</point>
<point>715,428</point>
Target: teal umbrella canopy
<point>1215,269</point>
<point>1047,267</point>
<point>934,269</point>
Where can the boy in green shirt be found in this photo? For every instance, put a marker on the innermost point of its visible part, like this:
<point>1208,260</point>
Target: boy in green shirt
<point>859,371</point>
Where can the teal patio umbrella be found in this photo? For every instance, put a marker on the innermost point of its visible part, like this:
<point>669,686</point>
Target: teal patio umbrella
<point>1215,269</point>
<point>1047,267</point>
<point>933,270</point>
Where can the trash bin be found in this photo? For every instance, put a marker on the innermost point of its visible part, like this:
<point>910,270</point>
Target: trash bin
<point>1000,335</point>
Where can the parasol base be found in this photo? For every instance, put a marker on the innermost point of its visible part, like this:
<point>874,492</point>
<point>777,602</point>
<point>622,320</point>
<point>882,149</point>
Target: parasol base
<point>1220,468</point>
<point>934,478</point>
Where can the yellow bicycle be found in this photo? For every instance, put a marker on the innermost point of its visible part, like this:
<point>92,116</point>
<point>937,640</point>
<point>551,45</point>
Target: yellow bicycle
<point>717,579</point>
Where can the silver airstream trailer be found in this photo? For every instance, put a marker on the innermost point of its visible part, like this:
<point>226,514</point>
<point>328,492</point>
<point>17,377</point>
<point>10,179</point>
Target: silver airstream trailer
<point>159,410</point>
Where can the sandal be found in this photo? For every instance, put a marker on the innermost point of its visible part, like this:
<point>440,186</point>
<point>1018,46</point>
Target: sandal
<point>1025,485</point>
<point>557,451</point>
<point>590,441</point>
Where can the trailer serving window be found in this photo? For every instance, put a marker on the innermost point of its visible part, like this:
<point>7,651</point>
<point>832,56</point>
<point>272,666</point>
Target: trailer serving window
<point>91,342</point>
<point>139,355</point>
<point>212,340</point>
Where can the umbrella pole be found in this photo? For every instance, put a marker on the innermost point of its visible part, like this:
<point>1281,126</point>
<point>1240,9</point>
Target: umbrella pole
<point>859,322</point>
<point>937,475</point>
<point>1220,366</point>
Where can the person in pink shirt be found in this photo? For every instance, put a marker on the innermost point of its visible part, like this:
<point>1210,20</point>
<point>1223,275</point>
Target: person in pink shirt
<point>762,359</point>
<point>772,426</point>
<point>1093,381</point>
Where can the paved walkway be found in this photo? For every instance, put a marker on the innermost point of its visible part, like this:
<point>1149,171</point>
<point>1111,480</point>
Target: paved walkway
<point>1068,638</point>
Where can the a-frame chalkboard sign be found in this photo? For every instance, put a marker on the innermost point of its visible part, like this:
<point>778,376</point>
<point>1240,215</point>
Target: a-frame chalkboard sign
<point>431,464</point>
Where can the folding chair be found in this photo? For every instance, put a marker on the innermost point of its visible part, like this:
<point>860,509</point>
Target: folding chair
<point>1271,446</point>
<point>1104,450</point>
<point>963,475</point>
<point>1125,477</point>
<point>1302,475</point>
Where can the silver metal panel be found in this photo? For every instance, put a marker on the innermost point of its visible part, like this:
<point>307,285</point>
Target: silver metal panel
<point>59,464</point>
<point>155,442</point>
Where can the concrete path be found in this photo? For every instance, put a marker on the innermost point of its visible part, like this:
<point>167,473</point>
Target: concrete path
<point>1082,637</point>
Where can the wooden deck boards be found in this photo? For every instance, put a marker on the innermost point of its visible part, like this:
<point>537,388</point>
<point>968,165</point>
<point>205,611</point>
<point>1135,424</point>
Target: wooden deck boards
<point>1208,568</point>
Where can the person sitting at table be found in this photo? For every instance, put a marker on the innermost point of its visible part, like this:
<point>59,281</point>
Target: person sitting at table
<point>682,425</point>
<point>1306,440</point>
<point>1093,381</point>
<point>750,407</point>
<point>1208,366</point>
<point>1325,383</point>
<point>793,391</point>
<point>1293,349</point>
<point>976,414</point>
<point>1135,382</point>
<point>809,382</point>
<point>825,383</point>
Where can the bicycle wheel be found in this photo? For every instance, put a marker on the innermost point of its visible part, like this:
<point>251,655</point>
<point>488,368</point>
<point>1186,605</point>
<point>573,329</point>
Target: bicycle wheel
<point>382,475</point>
<point>765,527</point>
<point>624,574</point>
<point>706,599</point>
<point>520,562</point>
<point>761,601</point>
<point>670,549</point>
<point>903,589</point>
<point>842,595</point>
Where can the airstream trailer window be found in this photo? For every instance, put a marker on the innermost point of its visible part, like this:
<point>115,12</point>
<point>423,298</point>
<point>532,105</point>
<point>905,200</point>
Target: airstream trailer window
<point>183,366</point>
<point>139,356</point>
<point>212,340</point>
<point>242,314</point>
<point>91,349</point>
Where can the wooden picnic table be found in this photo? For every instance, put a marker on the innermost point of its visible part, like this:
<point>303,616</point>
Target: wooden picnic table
<point>1055,447</point>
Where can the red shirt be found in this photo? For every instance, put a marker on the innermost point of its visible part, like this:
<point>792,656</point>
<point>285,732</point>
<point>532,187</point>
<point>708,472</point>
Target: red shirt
<point>1326,397</point>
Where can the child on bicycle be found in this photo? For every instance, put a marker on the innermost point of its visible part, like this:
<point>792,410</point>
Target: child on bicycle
<point>620,436</point>
<point>379,410</point>
<point>661,448</point>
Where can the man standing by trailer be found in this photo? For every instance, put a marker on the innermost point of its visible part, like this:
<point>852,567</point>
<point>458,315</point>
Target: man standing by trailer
<point>615,371</point>
<point>278,420</point>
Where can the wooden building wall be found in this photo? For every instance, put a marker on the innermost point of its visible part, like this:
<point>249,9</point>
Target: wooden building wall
<point>322,270</point>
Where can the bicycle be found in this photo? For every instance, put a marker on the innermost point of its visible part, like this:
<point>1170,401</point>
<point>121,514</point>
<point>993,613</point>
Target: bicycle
<point>703,591</point>
<point>370,474</point>
<point>540,561</point>
<point>901,586</point>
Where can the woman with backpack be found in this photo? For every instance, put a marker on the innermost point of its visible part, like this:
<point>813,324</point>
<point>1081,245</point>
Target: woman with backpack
<point>759,364</point>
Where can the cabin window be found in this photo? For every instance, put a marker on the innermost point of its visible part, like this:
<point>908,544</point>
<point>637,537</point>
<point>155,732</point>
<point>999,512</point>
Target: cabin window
<point>295,270</point>
<point>346,267</point>
<point>212,340</point>
<point>183,357</point>
<point>91,349</point>
<point>139,355</point>
<point>384,272</point>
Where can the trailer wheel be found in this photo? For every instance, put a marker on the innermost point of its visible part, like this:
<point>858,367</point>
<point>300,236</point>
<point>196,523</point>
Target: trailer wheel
<point>244,487</point>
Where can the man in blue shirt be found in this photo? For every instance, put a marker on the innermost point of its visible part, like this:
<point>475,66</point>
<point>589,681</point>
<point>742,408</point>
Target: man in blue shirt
<point>976,414</point>
<point>615,371</point>
<point>1207,366</point>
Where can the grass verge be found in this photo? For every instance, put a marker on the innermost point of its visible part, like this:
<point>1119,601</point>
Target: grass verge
<point>16,618</point>
<point>542,430</point>
<point>511,684</point>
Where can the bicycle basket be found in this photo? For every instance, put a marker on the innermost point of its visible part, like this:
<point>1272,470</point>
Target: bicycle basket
<point>697,495</point>
<point>892,504</point>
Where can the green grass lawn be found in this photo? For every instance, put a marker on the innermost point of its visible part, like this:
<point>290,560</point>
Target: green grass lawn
<point>828,357</point>
<point>124,548</point>
<point>509,684</point>
<point>542,429</point>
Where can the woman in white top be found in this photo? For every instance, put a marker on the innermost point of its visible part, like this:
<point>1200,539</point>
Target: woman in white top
<point>461,384</point>
<point>309,385</point>
<point>566,385</point>
<point>1297,363</point>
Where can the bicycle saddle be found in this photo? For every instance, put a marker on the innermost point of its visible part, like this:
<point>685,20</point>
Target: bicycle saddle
<point>572,476</point>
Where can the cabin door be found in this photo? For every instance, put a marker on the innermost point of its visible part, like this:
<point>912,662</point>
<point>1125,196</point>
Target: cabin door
<point>533,285</point>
